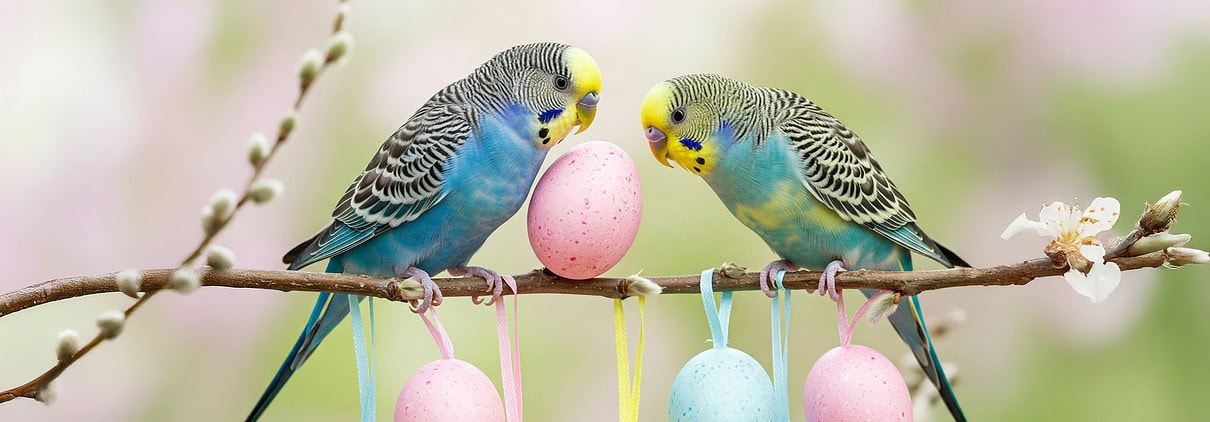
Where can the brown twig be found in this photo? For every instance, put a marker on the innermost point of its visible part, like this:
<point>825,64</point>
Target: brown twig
<point>533,282</point>
<point>544,282</point>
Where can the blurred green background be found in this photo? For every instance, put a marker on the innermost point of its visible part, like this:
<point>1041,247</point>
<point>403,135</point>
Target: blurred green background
<point>118,120</point>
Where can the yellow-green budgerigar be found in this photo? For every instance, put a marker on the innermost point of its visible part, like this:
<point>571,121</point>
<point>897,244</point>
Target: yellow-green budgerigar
<point>445,180</point>
<point>802,181</point>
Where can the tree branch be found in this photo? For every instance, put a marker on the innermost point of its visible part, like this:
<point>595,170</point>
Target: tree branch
<point>545,282</point>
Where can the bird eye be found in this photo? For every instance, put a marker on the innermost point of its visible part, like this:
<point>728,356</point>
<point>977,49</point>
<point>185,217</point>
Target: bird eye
<point>561,82</point>
<point>678,116</point>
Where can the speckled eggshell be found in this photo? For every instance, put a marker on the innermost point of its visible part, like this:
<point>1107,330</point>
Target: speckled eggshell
<point>855,383</point>
<point>585,211</point>
<point>448,390</point>
<point>721,385</point>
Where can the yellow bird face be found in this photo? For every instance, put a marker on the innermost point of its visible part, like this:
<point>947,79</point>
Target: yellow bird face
<point>575,89</point>
<point>684,131</point>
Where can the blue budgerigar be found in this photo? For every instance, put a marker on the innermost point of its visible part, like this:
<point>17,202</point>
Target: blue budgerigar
<point>445,180</point>
<point>802,181</point>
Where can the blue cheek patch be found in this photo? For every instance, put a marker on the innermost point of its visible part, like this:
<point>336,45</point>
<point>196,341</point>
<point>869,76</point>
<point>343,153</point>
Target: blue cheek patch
<point>549,115</point>
<point>691,144</point>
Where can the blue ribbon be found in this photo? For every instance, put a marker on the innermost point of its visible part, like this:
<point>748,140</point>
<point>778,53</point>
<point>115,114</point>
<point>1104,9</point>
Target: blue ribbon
<point>365,377</point>
<point>781,350</point>
<point>718,318</point>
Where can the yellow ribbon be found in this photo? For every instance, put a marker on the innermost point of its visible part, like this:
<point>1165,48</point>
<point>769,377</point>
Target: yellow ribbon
<point>628,392</point>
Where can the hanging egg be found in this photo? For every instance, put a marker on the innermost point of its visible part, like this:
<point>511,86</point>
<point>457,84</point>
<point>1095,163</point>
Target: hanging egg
<point>855,383</point>
<point>721,384</point>
<point>448,390</point>
<point>585,210</point>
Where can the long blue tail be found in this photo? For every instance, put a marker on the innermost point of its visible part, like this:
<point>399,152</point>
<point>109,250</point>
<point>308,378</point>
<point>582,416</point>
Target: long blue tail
<point>909,323</point>
<point>329,310</point>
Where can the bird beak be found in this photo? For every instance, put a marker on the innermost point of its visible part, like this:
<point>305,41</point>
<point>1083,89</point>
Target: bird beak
<point>586,109</point>
<point>658,142</point>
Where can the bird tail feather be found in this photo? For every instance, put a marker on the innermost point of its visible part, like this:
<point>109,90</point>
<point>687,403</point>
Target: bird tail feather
<point>330,309</point>
<point>909,323</point>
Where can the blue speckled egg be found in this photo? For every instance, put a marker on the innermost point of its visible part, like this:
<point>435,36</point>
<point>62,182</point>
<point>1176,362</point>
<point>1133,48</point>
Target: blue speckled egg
<point>721,385</point>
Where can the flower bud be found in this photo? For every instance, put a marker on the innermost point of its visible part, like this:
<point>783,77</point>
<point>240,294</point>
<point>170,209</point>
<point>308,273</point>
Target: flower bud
<point>264,190</point>
<point>184,281</point>
<point>883,305</point>
<point>129,282</point>
<point>1184,256</point>
<point>342,15</point>
<point>1156,242</point>
<point>339,46</point>
<point>46,395</point>
<point>111,324</point>
<point>287,124</point>
<point>210,224</point>
<point>222,204</point>
<point>258,149</point>
<point>220,258</point>
<point>308,66</point>
<point>637,285</point>
<point>69,344</point>
<point>732,270</point>
<point>1156,218</point>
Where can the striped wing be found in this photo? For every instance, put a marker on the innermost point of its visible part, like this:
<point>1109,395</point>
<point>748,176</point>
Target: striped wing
<point>840,172</point>
<point>405,178</point>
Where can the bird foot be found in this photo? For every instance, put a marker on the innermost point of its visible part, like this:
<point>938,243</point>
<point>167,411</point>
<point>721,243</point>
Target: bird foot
<point>769,274</point>
<point>495,283</point>
<point>432,293</point>
<point>827,281</point>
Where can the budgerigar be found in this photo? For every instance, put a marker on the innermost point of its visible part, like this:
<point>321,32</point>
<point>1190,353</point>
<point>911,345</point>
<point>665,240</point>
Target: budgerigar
<point>802,181</point>
<point>445,180</point>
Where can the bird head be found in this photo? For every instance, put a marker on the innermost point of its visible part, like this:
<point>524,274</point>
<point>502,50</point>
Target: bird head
<point>683,118</point>
<point>559,83</point>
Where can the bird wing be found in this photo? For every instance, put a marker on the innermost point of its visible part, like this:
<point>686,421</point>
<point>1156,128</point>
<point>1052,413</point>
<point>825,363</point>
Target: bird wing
<point>840,172</point>
<point>403,180</point>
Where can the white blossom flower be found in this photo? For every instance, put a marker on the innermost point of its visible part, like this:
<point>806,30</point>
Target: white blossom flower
<point>1101,279</point>
<point>1074,236</point>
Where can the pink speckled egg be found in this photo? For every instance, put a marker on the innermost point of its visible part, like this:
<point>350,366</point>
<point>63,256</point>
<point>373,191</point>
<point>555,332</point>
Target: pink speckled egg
<point>855,383</point>
<point>585,211</point>
<point>448,390</point>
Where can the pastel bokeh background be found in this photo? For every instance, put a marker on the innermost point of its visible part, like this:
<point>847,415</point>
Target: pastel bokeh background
<point>118,120</point>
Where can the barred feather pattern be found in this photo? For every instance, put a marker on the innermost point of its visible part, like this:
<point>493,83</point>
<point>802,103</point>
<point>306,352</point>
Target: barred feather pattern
<point>723,100</point>
<point>839,167</point>
<point>406,175</point>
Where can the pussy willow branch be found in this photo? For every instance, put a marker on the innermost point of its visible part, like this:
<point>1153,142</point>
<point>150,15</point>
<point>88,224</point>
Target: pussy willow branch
<point>539,281</point>
<point>31,388</point>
